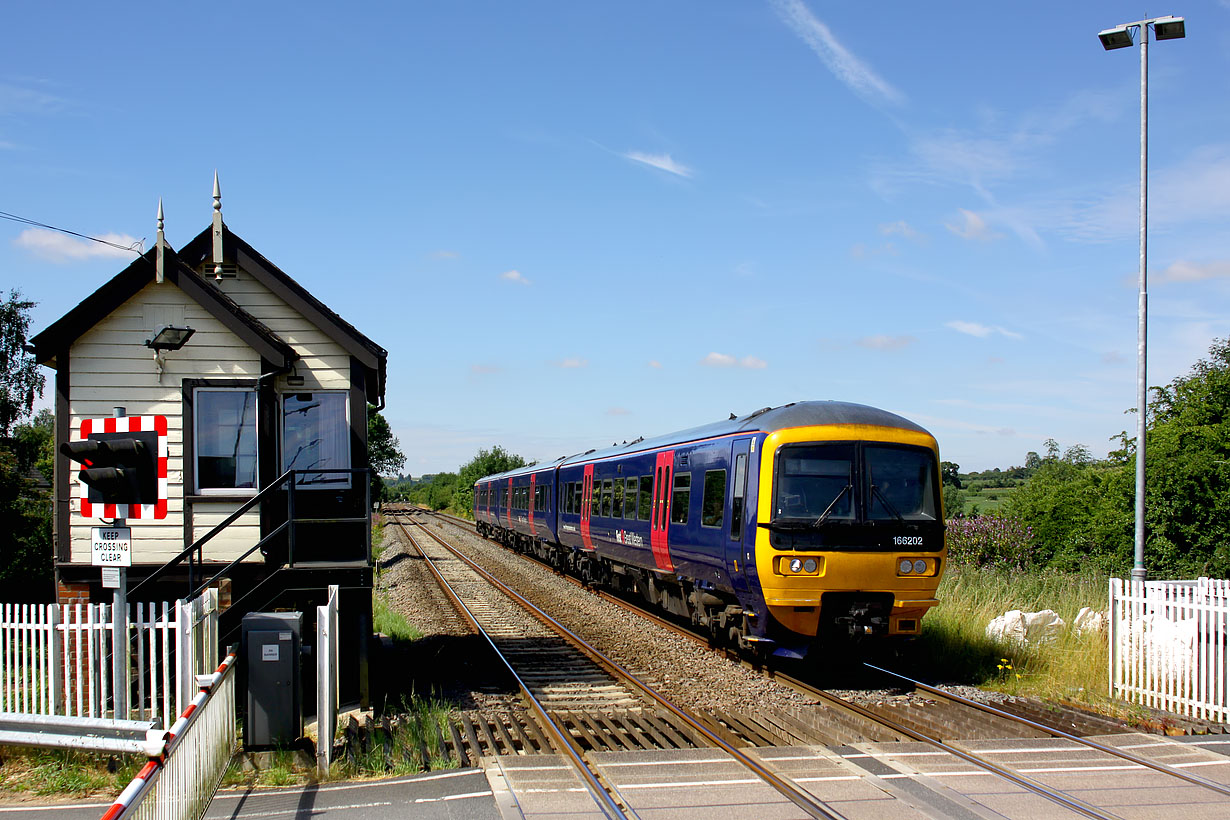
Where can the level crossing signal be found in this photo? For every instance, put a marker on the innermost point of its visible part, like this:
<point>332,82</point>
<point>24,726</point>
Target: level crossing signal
<point>123,471</point>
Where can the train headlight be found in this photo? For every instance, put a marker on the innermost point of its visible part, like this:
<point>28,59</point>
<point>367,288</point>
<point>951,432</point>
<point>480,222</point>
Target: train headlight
<point>906,567</point>
<point>920,566</point>
<point>810,565</point>
<point>913,566</point>
<point>796,565</point>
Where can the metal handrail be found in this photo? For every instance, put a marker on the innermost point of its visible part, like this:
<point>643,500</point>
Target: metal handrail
<point>288,479</point>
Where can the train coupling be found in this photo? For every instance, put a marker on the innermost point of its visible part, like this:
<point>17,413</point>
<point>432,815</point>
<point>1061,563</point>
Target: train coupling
<point>864,620</point>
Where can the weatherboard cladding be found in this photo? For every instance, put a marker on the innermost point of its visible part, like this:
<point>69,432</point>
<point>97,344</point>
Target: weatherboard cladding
<point>768,420</point>
<point>111,366</point>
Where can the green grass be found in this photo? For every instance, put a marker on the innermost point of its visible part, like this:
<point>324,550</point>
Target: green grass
<point>393,624</point>
<point>953,646</point>
<point>64,773</point>
<point>985,500</point>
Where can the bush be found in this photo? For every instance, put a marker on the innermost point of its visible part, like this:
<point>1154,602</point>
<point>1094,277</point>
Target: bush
<point>990,539</point>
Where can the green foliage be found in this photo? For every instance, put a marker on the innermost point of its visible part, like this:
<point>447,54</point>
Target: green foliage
<point>990,540</point>
<point>1082,510</point>
<point>384,454</point>
<point>487,462</point>
<point>25,506</point>
<point>20,378</point>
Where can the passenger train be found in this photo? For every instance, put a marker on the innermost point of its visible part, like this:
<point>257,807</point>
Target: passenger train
<point>776,530</point>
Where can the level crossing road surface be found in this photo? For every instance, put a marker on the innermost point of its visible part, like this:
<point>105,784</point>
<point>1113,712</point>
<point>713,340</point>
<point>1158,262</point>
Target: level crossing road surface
<point>866,781</point>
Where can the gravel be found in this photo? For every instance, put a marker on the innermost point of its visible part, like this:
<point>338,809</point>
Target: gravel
<point>688,673</point>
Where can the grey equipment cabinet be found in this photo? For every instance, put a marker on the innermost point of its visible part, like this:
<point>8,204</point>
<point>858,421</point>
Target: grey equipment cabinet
<point>271,646</point>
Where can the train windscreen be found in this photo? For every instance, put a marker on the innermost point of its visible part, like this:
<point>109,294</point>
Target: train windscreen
<point>900,484</point>
<point>815,482</point>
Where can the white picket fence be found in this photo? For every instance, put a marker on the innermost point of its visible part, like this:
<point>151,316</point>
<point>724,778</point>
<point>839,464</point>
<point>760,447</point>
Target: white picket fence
<point>326,680</point>
<point>1169,643</point>
<point>58,659</point>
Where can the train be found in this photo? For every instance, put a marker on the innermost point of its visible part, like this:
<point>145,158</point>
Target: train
<point>777,531</point>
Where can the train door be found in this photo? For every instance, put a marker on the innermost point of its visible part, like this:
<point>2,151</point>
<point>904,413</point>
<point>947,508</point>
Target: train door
<point>740,547</point>
<point>660,520</point>
<point>533,502</point>
<point>587,496</point>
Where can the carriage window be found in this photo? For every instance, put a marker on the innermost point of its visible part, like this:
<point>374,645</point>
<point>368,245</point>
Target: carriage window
<point>606,498</point>
<point>595,497</point>
<point>680,497</point>
<point>645,508</point>
<point>814,482</point>
<point>578,490</point>
<point>630,498</point>
<point>617,509</point>
<point>900,485</point>
<point>736,503</point>
<point>714,500</point>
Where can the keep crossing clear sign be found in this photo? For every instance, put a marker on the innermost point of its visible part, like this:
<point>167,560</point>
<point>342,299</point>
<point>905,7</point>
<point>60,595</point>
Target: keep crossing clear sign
<point>111,546</point>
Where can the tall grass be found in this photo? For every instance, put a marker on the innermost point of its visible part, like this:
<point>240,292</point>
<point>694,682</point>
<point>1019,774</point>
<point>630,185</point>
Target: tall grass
<point>954,647</point>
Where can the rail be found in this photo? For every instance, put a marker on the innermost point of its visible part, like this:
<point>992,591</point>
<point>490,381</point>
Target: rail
<point>810,805</point>
<point>188,760</point>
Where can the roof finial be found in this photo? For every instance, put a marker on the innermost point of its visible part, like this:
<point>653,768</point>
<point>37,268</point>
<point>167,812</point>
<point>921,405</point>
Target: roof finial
<point>217,229</point>
<point>160,264</point>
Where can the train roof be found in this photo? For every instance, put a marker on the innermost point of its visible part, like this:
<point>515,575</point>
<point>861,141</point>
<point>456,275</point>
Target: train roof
<point>767,420</point>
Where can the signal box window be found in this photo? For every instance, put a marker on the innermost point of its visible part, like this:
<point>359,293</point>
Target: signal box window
<point>225,439</point>
<point>680,497</point>
<point>714,501</point>
<point>316,436</point>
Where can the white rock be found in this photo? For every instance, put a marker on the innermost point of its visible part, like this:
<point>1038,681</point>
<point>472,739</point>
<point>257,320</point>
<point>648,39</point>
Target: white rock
<point>1017,626</point>
<point>1089,620</point>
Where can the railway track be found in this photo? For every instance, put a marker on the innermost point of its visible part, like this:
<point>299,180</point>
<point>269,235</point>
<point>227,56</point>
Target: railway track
<point>937,723</point>
<point>567,738</point>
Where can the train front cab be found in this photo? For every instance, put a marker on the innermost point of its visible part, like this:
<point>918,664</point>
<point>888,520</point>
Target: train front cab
<point>850,535</point>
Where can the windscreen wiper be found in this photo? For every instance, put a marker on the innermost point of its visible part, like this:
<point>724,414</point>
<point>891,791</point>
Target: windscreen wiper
<point>876,492</point>
<point>824,515</point>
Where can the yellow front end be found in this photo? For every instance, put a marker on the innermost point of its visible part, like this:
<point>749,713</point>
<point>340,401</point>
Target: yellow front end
<point>794,581</point>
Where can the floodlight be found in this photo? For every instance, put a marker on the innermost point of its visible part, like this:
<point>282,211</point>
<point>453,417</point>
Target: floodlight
<point>1168,28</point>
<point>1118,37</point>
<point>169,337</point>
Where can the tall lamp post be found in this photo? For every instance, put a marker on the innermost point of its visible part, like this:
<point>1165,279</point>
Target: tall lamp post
<point>1164,28</point>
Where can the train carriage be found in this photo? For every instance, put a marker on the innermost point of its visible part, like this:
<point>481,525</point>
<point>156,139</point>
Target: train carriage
<point>772,530</point>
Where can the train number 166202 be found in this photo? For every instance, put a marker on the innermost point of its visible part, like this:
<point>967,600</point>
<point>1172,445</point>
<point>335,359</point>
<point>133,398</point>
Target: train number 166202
<point>907,540</point>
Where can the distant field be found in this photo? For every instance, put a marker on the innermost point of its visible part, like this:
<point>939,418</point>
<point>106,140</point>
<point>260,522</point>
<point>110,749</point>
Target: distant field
<point>983,500</point>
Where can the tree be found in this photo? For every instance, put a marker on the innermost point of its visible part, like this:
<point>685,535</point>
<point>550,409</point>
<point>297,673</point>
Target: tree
<point>487,462</point>
<point>20,378</point>
<point>384,454</point>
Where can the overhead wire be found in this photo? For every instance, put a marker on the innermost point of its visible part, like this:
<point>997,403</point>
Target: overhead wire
<point>137,247</point>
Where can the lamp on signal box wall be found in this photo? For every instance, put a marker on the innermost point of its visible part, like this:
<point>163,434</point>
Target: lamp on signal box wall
<point>169,337</point>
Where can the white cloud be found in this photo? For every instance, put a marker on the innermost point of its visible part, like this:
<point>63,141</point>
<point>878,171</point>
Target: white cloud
<point>514,276</point>
<point>883,342</point>
<point>900,228</point>
<point>974,227</point>
<point>1184,271</point>
<point>725,360</point>
<point>980,330</point>
<point>847,68</point>
<point>58,247</point>
<point>655,364</point>
<point>572,363</point>
<point>618,411</point>
<point>443,254</point>
<point>663,162</point>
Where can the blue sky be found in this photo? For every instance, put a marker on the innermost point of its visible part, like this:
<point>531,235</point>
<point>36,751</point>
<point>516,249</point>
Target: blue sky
<point>577,223</point>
